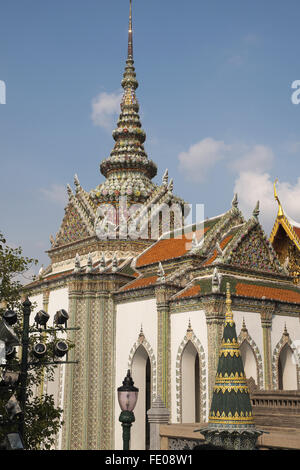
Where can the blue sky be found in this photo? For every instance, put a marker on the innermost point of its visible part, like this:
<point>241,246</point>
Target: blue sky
<point>215,100</point>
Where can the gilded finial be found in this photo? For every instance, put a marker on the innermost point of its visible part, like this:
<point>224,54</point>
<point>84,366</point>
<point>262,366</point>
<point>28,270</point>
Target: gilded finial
<point>280,210</point>
<point>228,314</point>
<point>189,331</point>
<point>141,335</point>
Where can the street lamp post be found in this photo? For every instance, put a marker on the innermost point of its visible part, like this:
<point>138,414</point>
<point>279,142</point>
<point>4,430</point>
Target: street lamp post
<point>127,397</point>
<point>8,339</point>
<point>24,362</point>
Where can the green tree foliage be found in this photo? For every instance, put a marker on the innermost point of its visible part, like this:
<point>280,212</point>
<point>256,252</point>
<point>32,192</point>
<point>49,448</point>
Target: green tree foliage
<point>42,418</point>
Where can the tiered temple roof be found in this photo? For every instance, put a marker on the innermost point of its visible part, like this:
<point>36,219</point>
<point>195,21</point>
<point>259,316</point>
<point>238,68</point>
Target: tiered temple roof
<point>127,170</point>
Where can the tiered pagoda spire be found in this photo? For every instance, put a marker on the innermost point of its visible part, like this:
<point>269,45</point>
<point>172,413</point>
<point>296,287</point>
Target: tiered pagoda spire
<point>128,169</point>
<point>231,424</point>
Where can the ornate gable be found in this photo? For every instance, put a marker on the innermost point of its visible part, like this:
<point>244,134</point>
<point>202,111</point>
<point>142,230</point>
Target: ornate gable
<point>222,225</point>
<point>251,249</point>
<point>72,228</point>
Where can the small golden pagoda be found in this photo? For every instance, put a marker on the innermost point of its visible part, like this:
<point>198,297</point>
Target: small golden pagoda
<point>231,424</point>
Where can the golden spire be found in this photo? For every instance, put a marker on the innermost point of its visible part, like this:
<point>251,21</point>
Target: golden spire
<point>228,314</point>
<point>130,45</point>
<point>280,210</point>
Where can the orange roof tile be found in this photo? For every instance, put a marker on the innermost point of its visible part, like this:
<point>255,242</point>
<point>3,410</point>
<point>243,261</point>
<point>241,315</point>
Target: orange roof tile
<point>141,282</point>
<point>253,290</point>
<point>48,278</point>
<point>167,248</point>
<point>297,231</point>
<point>190,292</point>
<point>222,245</point>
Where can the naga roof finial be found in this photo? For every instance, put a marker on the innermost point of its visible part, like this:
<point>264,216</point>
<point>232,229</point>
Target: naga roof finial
<point>255,212</point>
<point>280,210</point>
<point>235,202</point>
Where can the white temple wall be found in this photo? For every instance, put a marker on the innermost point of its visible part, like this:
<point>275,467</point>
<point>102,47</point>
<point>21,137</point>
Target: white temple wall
<point>253,325</point>
<point>179,326</point>
<point>38,300</point>
<point>58,299</point>
<point>130,317</point>
<point>292,326</point>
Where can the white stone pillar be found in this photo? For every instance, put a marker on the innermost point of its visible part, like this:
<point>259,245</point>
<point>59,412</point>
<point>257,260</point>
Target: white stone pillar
<point>157,415</point>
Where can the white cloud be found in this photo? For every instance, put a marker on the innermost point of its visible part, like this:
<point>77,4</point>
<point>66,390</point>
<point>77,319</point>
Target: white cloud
<point>256,159</point>
<point>56,193</point>
<point>255,183</point>
<point>254,186</point>
<point>200,157</point>
<point>253,179</point>
<point>104,107</point>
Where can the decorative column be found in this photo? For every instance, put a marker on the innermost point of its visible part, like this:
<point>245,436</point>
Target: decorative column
<point>266,324</point>
<point>76,384</point>
<point>93,362</point>
<point>163,344</point>
<point>107,377</point>
<point>215,313</point>
<point>157,415</point>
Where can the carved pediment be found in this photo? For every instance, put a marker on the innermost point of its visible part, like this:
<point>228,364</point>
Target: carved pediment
<point>252,250</point>
<point>73,228</point>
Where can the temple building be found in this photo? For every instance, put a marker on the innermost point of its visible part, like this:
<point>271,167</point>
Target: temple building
<point>147,292</point>
<point>285,238</point>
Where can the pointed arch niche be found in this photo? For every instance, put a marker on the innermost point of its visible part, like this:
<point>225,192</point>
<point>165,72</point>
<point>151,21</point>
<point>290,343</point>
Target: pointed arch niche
<point>190,380</point>
<point>251,357</point>
<point>286,364</point>
<point>142,364</point>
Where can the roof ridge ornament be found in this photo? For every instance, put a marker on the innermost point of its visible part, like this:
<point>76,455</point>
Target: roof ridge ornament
<point>69,190</point>
<point>114,264</point>
<point>194,241</point>
<point>216,280</point>
<point>171,185</point>
<point>255,212</point>
<point>165,178</point>
<point>102,263</point>
<point>76,182</point>
<point>235,201</point>
<point>161,273</point>
<point>89,266</point>
<point>77,267</point>
<point>280,210</point>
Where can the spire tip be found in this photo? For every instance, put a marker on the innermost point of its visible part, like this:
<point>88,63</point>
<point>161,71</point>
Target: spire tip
<point>228,314</point>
